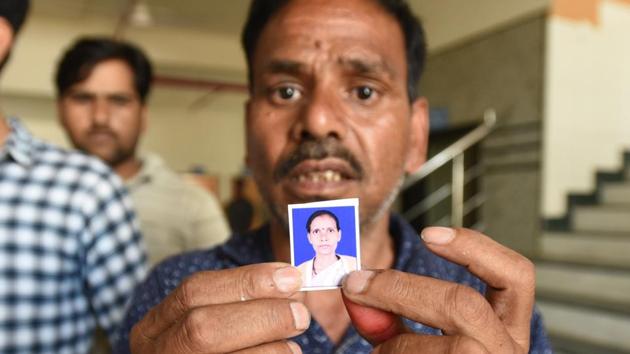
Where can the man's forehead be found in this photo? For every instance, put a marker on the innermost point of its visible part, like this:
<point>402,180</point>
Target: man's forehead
<point>332,32</point>
<point>360,64</point>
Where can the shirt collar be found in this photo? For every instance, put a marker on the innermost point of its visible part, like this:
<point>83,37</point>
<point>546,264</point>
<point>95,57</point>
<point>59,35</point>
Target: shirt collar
<point>151,165</point>
<point>20,144</point>
<point>250,247</point>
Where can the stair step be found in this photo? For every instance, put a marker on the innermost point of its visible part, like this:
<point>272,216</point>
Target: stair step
<point>592,287</point>
<point>574,345</point>
<point>596,327</point>
<point>605,249</point>
<point>616,193</point>
<point>602,218</point>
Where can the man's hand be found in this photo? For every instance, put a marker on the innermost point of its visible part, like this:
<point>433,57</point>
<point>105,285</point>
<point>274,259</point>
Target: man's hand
<point>498,323</point>
<point>244,310</point>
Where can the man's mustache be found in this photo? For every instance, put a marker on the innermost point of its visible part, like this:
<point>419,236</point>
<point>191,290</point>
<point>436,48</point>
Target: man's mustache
<point>317,150</point>
<point>98,131</point>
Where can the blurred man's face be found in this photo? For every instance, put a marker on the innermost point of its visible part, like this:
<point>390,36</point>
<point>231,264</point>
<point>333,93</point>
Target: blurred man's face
<point>6,41</point>
<point>324,235</point>
<point>103,115</point>
<point>329,116</point>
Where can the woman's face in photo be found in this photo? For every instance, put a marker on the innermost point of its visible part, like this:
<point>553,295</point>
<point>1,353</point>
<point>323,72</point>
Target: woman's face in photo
<point>324,235</point>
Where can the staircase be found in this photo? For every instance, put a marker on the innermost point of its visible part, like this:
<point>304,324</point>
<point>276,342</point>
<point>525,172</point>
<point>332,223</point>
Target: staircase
<point>583,270</point>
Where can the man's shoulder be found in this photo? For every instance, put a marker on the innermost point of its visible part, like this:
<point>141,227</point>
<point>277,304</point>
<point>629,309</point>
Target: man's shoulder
<point>165,179</point>
<point>71,164</point>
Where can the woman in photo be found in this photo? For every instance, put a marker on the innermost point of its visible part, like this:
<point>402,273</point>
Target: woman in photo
<point>327,268</point>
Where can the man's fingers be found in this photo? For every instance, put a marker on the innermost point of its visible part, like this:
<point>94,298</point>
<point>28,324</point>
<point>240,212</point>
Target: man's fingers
<point>230,327</point>
<point>510,276</point>
<point>376,326</point>
<point>282,347</point>
<point>414,343</point>
<point>269,280</point>
<point>454,308</point>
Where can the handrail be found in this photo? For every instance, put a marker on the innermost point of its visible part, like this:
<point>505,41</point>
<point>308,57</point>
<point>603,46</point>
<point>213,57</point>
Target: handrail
<point>454,150</point>
<point>455,153</point>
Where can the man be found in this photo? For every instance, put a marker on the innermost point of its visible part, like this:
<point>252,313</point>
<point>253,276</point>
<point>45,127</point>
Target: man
<point>102,89</point>
<point>334,112</point>
<point>70,248</point>
<point>327,268</point>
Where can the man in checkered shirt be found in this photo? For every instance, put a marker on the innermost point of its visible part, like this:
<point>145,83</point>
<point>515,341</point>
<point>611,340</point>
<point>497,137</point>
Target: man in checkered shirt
<point>70,247</point>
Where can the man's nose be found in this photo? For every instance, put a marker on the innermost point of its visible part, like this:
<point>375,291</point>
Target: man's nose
<point>321,116</point>
<point>101,112</point>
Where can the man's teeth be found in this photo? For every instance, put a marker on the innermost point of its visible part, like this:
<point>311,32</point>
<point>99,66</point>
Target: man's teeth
<point>320,176</point>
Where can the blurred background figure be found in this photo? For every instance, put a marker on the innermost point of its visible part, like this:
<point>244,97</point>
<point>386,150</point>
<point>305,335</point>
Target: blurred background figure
<point>102,89</point>
<point>71,252</point>
<point>239,210</point>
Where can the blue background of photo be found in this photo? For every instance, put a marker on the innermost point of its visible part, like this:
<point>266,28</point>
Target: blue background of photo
<point>303,250</point>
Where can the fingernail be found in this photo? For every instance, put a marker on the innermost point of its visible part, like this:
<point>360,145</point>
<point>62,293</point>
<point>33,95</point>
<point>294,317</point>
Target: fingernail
<point>295,349</point>
<point>438,235</point>
<point>301,317</point>
<point>287,279</point>
<point>357,282</point>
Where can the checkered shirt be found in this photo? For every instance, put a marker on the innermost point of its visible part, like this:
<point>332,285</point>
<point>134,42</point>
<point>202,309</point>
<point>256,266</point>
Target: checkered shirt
<point>70,248</point>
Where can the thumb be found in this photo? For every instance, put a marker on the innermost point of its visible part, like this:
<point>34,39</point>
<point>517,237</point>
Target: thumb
<point>376,326</point>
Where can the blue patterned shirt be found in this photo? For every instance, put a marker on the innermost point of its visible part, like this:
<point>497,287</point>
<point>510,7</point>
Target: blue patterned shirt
<point>70,248</point>
<point>412,257</point>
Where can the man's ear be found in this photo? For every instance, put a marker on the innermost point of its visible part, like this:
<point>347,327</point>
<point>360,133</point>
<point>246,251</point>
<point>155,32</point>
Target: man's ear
<point>6,39</point>
<point>419,135</point>
<point>248,107</point>
<point>60,115</point>
<point>144,118</point>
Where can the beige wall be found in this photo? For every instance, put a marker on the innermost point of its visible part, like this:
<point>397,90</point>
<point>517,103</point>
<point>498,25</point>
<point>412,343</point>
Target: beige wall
<point>452,21</point>
<point>587,115</point>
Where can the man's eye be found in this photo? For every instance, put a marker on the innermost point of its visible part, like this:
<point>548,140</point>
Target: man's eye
<point>119,100</point>
<point>364,92</point>
<point>286,94</point>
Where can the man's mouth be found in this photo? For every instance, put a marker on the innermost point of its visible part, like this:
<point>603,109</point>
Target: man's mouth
<point>329,170</point>
<point>319,176</point>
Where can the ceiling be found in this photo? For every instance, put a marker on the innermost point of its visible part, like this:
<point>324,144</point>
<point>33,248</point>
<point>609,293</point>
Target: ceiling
<point>446,21</point>
<point>217,16</point>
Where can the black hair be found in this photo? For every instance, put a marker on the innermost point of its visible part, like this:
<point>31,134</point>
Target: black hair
<point>261,12</point>
<point>79,60</point>
<point>14,11</point>
<point>320,213</point>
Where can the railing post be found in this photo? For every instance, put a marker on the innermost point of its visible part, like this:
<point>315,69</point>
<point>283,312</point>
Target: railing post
<point>457,187</point>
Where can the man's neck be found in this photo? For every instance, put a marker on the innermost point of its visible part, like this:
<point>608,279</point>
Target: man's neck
<point>377,246</point>
<point>4,130</point>
<point>128,168</point>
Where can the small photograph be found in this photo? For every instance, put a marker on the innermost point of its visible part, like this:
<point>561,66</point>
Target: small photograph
<point>325,241</point>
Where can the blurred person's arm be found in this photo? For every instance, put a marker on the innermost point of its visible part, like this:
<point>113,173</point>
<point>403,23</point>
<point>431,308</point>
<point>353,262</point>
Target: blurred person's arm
<point>114,255</point>
<point>209,225</point>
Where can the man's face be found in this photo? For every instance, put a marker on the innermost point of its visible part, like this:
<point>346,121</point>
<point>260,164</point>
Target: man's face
<point>6,41</point>
<point>324,235</point>
<point>103,115</point>
<point>329,116</point>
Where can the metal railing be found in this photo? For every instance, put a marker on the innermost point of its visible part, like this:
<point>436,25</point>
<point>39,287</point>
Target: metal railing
<point>460,176</point>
